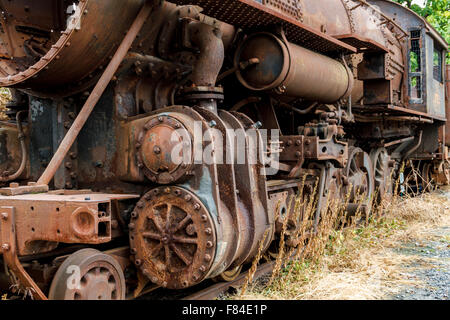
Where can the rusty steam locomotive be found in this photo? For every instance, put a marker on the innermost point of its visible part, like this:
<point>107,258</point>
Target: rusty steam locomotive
<point>107,95</point>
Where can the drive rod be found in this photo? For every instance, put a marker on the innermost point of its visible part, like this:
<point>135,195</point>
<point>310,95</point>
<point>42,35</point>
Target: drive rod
<point>95,95</point>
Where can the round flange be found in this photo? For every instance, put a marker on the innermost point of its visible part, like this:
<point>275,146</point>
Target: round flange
<point>88,274</point>
<point>164,150</point>
<point>172,238</point>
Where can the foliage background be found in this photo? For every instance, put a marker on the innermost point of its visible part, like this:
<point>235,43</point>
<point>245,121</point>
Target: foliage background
<point>436,12</point>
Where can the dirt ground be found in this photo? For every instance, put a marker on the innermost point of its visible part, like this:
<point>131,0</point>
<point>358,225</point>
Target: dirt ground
<point>404,256</point>
<point>430,268</point>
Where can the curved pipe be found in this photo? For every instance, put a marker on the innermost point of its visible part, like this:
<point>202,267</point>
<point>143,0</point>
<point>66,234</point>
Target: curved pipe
<point>212,53</point>
<point>299,111</point>
<point>23,146</point>
<point>413,149</point>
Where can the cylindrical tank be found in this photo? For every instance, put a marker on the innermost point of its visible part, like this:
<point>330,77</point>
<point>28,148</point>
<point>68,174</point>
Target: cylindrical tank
<point>291,70</point>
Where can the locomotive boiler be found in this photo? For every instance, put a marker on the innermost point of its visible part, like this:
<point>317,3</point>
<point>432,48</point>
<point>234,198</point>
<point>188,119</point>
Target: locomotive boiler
<point>158,143</point>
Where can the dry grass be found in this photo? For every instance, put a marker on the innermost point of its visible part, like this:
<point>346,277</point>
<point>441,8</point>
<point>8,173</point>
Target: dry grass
<point>5,96</point>
<point>356,262</point>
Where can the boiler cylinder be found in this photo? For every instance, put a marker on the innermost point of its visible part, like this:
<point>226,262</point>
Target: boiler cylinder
<point>291,70</point>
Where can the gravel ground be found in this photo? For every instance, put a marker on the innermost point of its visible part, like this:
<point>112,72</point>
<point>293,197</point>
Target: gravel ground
<point>431,269</point>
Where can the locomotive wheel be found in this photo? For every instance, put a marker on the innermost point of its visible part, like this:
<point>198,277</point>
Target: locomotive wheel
<point>360,176</point>
<point>229,275</point>
<point>88,274</point>
<point>382,175</point>
<point>172,238</point>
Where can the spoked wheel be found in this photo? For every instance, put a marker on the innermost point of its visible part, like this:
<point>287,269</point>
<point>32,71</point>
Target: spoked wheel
<point>382,173</point>
<point>360,178</point>
<point>229,275</point>
<point>88,274</point>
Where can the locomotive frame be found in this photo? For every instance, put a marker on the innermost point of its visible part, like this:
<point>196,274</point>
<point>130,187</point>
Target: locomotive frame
<point>284,97</point>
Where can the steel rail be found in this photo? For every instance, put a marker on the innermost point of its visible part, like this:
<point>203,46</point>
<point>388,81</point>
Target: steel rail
<point>217,289</point>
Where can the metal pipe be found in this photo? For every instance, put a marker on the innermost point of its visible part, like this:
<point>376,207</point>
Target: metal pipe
<point>413,149</point>
<point>95,95</point>
<point>299,111</point>
<point>23,146</point>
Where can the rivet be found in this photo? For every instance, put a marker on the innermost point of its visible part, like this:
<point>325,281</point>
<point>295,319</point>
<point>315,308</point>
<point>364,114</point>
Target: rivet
<point>131,226</point>
<point>202,268</point>
<point>5,215</point>
<point>209,244</point>
<point>6,247</point>
<point>133,251</point>
<point>208,231</point>
<point>207,258</point>
<point>204,217</point>
<point>188,198</point>
<point>138,262</point>
<point>196,206</point>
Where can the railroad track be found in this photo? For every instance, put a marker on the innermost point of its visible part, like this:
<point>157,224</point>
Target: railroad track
<point>217,289</point>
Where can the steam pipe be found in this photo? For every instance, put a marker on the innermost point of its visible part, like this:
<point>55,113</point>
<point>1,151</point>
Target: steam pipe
<point>209,41</point>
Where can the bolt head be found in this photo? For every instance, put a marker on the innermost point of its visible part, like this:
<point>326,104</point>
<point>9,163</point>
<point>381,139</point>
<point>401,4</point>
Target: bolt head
<point>6,247</point>
<point>5,215</point>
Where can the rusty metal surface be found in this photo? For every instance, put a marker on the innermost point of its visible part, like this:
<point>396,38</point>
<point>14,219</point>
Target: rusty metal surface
<point>86,50</point>
<point>96,93</point>
<point>156,147</point>
<point>173,238</point>
<point>8,232</point>
<point>252,15</point>
<point>43,220</point>
<point>101,278</point>
<point>328,79</point>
